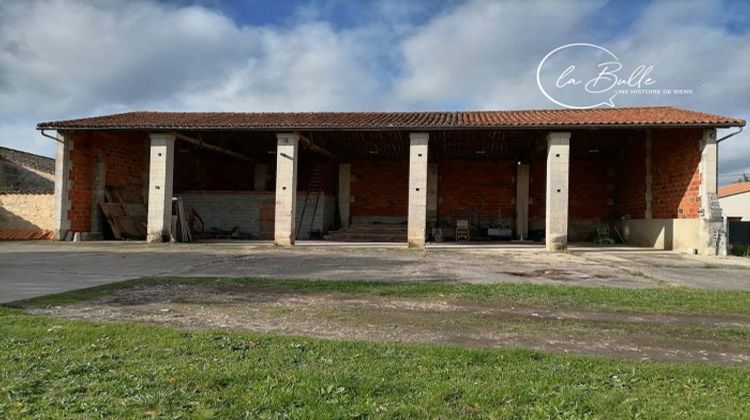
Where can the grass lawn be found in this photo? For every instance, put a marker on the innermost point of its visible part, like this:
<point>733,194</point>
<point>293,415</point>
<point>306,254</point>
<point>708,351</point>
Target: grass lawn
<point>657,300</point>
<point>56,368</point>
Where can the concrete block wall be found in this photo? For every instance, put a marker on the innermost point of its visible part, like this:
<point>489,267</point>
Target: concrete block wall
<point>325,215</point>
<point>226,209</point>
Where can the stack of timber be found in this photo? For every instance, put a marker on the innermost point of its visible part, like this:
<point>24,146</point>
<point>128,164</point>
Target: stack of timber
<point>180,225</point>
<point>125,213</point>
<point>369,233</point>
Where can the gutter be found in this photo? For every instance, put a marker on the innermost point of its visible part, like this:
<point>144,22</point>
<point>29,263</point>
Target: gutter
<point>729,135</point>
<point>49,137</point>
<point>394,128</point>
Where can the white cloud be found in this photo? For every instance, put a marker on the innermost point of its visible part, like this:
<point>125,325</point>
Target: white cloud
<point>72,58</point>
<point>484,55</point>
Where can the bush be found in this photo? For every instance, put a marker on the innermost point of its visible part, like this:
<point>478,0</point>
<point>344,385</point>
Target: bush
<point>740,250</point>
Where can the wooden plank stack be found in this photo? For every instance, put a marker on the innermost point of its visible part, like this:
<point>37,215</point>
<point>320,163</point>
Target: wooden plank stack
<point>125,213</point>
<point>181,231</point>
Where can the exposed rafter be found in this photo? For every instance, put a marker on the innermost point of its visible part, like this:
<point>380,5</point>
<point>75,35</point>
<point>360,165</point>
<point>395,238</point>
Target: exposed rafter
<point>310,144</point>
<point>209,146</point>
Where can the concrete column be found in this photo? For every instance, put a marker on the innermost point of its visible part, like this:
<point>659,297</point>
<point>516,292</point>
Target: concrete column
<point>261,177</point>
<point>558,166</point>
<point>286,188</point>
<point>62,185</point>
<point>160,177</point>
<point>649,176</point>
<point>432,193</point>
<point>713,240</point>
<point>417,189</point>
<point>345,193</point>
<point>522,202</point>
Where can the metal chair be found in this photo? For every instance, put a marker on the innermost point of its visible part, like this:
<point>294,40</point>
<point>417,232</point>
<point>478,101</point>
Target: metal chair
<point>462,230</point>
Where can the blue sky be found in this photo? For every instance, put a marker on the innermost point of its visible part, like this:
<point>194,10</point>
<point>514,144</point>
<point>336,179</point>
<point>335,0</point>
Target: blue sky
<point>74,58</point>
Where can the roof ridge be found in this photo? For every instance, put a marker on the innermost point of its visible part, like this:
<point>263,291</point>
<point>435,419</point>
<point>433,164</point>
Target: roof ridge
<point>433,111</point>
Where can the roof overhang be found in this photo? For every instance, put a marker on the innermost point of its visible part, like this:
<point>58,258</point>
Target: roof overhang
<point>550,119</point>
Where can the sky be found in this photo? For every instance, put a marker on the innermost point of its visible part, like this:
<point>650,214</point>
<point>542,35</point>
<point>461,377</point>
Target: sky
<point>74,58</point>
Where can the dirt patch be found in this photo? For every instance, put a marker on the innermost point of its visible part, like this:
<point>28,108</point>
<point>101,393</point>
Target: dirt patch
<point>558,274</point>
<point>614,334</point>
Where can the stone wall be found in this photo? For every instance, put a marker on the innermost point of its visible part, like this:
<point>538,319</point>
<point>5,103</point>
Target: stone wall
<point>26,212</point>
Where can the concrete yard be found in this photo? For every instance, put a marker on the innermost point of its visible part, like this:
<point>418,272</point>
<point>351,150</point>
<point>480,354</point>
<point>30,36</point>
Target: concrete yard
<point>29,269</point>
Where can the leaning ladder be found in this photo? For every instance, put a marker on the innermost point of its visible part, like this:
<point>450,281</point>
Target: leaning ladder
<point>314,186</point>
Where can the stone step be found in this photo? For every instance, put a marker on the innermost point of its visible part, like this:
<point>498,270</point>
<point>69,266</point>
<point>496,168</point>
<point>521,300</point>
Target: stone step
<point>365,239</point>
<point>376,228</point>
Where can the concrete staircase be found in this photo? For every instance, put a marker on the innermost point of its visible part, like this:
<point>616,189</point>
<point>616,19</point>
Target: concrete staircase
<point>369,233</point>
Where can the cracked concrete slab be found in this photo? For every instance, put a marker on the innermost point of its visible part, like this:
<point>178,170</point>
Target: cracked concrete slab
<point>29,269</point>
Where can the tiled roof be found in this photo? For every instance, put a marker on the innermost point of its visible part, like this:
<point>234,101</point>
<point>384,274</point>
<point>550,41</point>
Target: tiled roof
<point>644,116</point>
<point>28,160</point>
<point>732,189</point>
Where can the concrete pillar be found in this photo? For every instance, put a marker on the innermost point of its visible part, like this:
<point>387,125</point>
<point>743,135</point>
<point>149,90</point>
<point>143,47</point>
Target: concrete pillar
<point>160,177</point>
<point>522,201</point>
<point>432,193</point>
<point>286,188</point>
<point>649,176</point>
<point>712,235</point>
<point>417,189</point>
<point>558,166</point>
<point>62,185</point>
<point>261,177</point>
<point>345,194</point>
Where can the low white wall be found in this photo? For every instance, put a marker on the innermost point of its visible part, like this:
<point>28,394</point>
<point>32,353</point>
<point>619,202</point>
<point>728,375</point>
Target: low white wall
<point>676,234</point>
<point>225,210</point>
<point>737,205</point>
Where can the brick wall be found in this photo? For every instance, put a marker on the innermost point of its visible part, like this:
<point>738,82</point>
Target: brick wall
<point>591,179</point>
<point>630,199</point>
<point>486,188</point>
<point>380,189</point>
<point>205,170</point>
<point>591,189</point>
<point>126,157</point>
<point>537,194</point>
<point>676,177</point>
<point>209,171</point>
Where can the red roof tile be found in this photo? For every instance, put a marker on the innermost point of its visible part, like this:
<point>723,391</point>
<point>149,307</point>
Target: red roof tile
<point>735,188</point>
<point>644,116</point>
<point>25,235</point>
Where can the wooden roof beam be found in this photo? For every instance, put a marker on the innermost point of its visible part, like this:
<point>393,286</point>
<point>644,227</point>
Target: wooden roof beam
<point>213,147</point>
<point>308,143</point>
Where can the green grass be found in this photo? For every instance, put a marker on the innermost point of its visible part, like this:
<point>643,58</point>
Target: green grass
<point>657,300</point>
<point>55,368</point>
